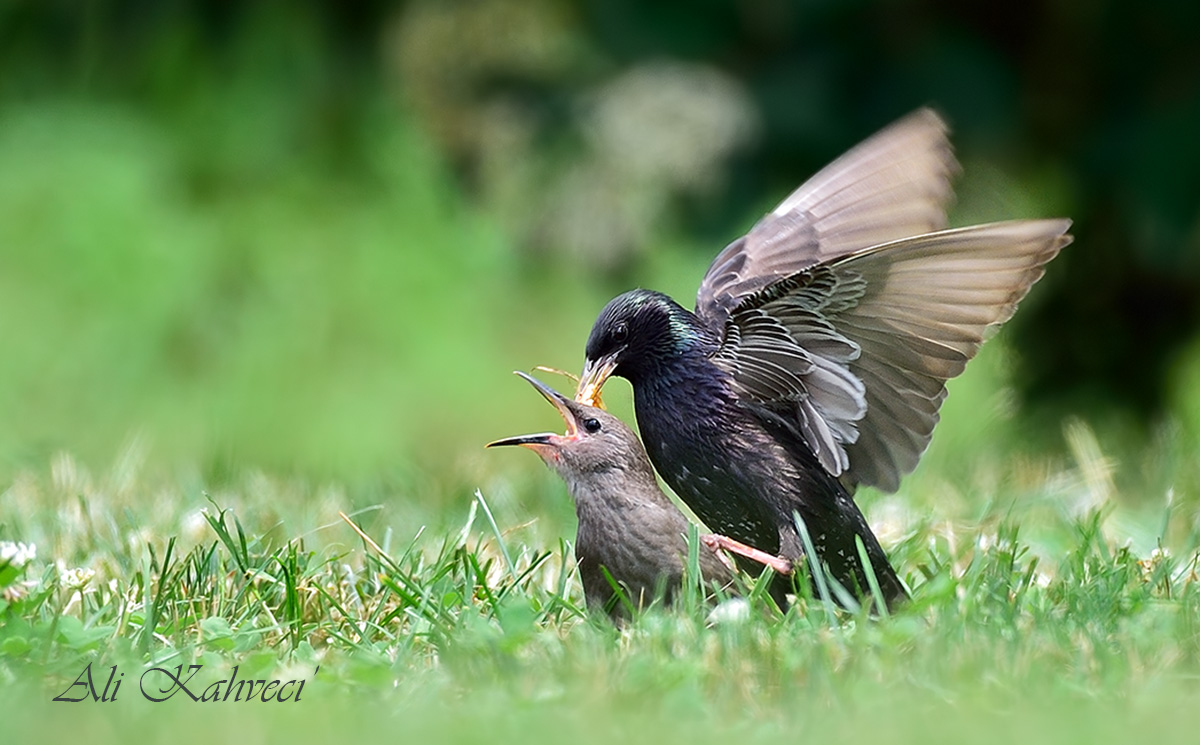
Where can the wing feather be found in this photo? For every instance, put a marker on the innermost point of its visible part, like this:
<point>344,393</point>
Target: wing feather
<point>862,346</point>
<point>893,185</point>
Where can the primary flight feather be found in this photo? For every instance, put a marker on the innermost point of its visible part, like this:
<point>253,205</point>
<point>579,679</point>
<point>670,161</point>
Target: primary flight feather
<point>819,349</point>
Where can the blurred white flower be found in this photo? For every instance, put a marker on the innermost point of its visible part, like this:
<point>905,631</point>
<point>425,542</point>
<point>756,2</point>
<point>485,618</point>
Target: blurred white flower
<point>732,611</point>
<point>75,579</point>
<point>654,133</point>
<point>194,526</point>
<point>892,520</point>
<point>17,554</point>
<point>672,121</point>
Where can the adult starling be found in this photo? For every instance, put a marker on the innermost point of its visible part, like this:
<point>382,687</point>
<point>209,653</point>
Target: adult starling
<point>817,355</point>
<point>627,526</point>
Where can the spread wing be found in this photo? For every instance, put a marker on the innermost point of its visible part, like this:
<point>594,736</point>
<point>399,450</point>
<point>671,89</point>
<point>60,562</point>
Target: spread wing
<point>894,185</point>
<point>856,351</point>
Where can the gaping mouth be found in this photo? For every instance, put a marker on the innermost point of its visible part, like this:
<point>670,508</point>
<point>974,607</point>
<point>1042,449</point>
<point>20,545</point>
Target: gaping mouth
<point>595,372</point>
<point>591,398</point>
<point>545,438</point>
<point>559,400</point>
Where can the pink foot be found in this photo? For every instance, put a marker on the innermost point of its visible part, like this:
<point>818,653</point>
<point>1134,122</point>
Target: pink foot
<point>716,542</point>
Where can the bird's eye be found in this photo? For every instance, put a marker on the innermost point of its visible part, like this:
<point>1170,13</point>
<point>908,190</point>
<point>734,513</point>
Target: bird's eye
<point>591,425</point>
<point>620,332</point>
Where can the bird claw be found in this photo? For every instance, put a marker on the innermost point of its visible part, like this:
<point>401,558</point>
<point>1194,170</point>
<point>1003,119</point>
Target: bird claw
<point>718,542</point>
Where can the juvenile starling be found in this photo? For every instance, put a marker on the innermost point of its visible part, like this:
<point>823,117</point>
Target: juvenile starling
<point>627,526</point>
<point>820,346</point>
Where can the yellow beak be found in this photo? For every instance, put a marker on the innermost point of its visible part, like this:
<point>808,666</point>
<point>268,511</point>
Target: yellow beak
<point>595,372</point>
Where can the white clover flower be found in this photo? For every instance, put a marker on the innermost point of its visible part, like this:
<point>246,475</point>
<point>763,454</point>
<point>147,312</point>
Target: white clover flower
<point>17,554</point>
<point>75,579</point>
<point>732,611</point>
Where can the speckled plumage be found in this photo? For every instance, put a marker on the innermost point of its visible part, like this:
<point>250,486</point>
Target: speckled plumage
<point>819,350</point>
<point>741,469</point>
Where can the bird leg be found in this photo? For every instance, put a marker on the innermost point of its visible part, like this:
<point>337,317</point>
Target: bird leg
<point>716,541</point>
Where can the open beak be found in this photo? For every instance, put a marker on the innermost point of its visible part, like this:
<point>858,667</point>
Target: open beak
<point>595,372</point>
<point>534,442</point>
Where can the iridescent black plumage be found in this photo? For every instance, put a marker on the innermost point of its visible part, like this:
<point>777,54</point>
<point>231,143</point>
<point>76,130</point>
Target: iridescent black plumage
<point>740,468</point>
<point>818,353</point>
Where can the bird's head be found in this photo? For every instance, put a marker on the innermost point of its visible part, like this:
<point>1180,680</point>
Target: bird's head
<point>595,441</point>
<point>636,332</point>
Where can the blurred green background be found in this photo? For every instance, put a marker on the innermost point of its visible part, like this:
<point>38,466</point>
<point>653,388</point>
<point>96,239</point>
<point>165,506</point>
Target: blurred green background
<point>317,237</point>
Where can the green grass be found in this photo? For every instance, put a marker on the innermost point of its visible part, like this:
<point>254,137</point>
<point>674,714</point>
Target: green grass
<point>237,341</point>
<point>477,629</point>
